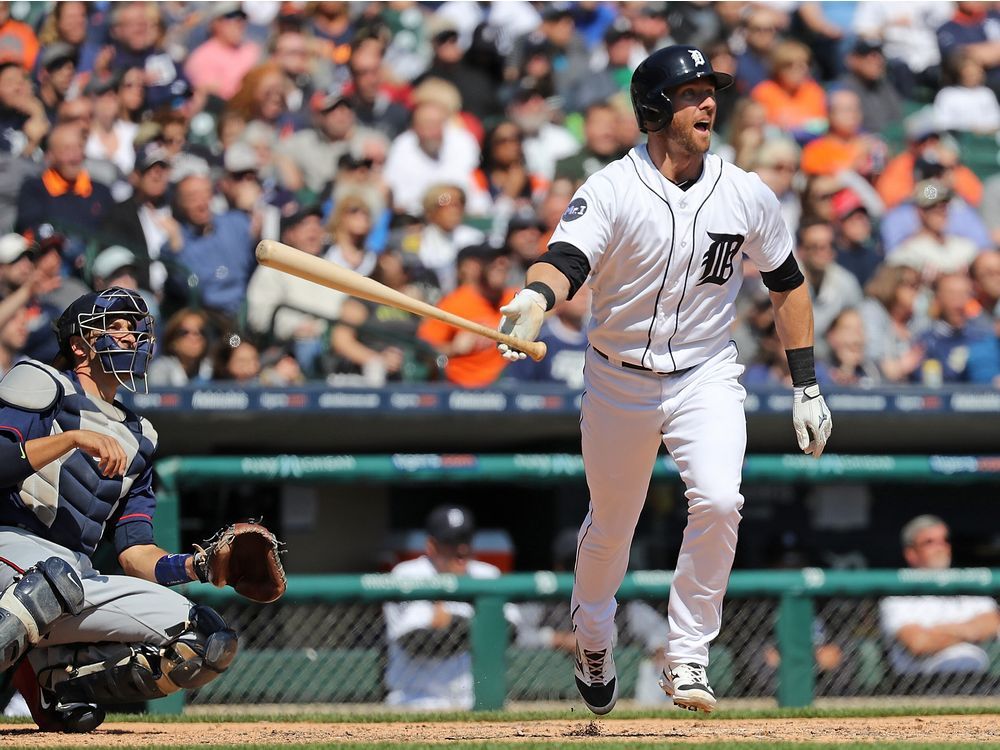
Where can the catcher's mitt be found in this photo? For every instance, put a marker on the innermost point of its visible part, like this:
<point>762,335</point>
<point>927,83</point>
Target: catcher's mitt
<point>246,557</point>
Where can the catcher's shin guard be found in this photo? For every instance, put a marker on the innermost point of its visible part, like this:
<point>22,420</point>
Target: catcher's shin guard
<point>203,653</point>
<point>123,673</point>
<point>33,603</point>
<point>112,674</point>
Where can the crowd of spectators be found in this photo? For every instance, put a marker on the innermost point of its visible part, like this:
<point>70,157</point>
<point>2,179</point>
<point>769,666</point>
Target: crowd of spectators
<point>434,147</point>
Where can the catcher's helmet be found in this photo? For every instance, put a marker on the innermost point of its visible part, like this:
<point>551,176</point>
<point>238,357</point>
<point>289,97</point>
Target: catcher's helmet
<point>662,70</point>
<point>92,314</point>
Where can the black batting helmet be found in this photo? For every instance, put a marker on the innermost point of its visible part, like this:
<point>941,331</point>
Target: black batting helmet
<point>661,71</point>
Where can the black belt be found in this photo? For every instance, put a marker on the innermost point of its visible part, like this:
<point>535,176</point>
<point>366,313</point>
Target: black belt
<point>631,366</point>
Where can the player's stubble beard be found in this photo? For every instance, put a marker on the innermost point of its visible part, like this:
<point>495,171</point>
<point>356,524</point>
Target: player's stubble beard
<point>685,136</point>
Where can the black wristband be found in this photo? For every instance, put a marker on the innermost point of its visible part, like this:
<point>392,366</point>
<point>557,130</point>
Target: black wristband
<point>802,366</point>
<point>546,291</point>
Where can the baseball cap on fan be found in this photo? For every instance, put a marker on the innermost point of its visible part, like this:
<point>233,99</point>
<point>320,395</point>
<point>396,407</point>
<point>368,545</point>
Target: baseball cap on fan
<point>525,219</point>
<point>55,54</point>
<point>556,11</point>
<point>325,101</point>
<point>620,29</point>
<point>440,29</point>
<point>485,252</point>
<point>226,10</point>
<point>12,248</point>
<point>451,524</point>
<point>150,155</point>
<point>112,260</point>
<point>100,85</point>
<point>846,202</point>
<point>863,46</point>
<point>46,238</point>
<point>921,125</point>
<point>295,214</point>
<point>240,157</point>
<point>930,193</point>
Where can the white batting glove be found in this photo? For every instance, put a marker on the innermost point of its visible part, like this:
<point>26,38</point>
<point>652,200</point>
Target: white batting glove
<point>811,419</point>
<point>522,317</point>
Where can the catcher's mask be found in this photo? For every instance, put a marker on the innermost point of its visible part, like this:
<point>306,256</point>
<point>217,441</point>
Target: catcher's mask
<point>93,314</point>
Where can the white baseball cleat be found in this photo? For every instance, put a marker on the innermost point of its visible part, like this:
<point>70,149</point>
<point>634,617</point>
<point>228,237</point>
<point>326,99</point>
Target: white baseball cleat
<point>688,685</point>
<point>596,679</point>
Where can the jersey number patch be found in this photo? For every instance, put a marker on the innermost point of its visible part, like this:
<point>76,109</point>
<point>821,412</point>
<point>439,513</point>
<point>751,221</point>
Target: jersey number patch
<point>717,265</point>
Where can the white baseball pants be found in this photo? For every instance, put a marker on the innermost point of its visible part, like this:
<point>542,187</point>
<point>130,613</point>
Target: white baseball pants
<point>700,419</point>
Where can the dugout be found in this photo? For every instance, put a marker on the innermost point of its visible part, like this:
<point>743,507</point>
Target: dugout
<point>428,444</point>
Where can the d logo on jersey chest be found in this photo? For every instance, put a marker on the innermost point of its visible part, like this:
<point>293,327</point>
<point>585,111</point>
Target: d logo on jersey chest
<point>717,265</point>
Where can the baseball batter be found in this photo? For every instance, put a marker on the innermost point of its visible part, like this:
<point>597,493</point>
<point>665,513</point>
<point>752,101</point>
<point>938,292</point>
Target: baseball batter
<point>72,461</point>
<point>660,234</point>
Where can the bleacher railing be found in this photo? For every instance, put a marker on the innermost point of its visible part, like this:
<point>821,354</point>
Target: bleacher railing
<point>325,640</point>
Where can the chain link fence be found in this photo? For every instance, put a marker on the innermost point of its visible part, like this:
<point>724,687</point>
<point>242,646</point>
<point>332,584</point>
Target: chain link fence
<point>338,653</point>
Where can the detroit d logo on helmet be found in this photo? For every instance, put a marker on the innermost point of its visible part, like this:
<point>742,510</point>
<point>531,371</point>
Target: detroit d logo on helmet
<point>697,57</point>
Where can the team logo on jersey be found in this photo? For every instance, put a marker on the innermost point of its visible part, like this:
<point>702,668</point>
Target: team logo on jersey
<point>576,208</point>
<point>699,59</point>
<point>717,265</point>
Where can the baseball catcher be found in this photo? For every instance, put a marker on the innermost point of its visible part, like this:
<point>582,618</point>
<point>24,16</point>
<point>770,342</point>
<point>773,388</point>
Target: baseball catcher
<point>74,462</point>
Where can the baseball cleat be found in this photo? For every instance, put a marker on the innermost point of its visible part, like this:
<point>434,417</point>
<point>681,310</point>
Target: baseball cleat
<point>50,715</point>
<point>596,679</point>
<point>688,685</point>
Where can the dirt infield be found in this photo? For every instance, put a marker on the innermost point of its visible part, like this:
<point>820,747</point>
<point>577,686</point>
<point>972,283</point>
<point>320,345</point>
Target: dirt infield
<point>952,729</point>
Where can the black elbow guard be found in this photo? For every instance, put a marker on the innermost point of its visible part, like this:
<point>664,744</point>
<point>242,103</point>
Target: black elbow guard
<point>785,277</point>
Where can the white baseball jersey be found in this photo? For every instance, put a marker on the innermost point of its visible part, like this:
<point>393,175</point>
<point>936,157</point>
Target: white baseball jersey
<point>665,263</point>
<point>665,271</point>
<point>431,681</point>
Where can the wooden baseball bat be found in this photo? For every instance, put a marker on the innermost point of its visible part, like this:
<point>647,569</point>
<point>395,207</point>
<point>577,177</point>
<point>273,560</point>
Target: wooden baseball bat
<point>285,258</point>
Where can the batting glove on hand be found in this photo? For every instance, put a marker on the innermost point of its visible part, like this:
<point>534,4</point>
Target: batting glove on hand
<point>810,416</point>
<point>522,317</point>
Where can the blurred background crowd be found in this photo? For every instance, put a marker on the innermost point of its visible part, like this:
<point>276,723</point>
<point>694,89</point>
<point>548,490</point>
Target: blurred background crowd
<point>434,146</point>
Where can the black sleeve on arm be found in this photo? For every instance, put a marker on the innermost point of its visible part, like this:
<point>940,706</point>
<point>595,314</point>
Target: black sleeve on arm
<point>785,277</point>
<point>570,261</point>
<point>14,465</point>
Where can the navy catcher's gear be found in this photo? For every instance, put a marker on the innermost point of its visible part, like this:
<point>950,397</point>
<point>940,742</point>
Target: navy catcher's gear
<point>69,501</point>
<point>126,673</point>
<point>33,604</point>
<point>662,71</point>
